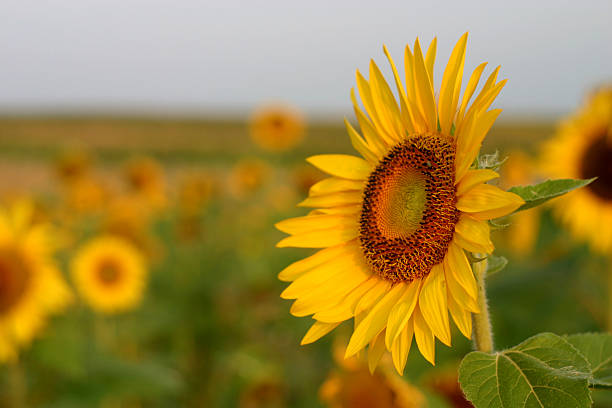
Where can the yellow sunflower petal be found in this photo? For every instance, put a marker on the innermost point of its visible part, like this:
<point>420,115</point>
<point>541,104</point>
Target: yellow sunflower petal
<point>316,331</point>
<point>447,104</point>
<point>424,90</point>
<point>433,304</point>
<point>385,103</point>
<point>404,111</point>
<point>469,91</point>
<point>457,264</point>
<point>325,297</point>
<point>375,321</point>
<point>376,144</point>
<point>320,238</point>
<point>459,293</point>
<point>342,165</point>
<point>401,312</point>
<point>318,275</point>
<point>485,202</point>
<point>401,348</point>
<point>360,144</point>
<point>339,199</point>
<point>372,296</point>
<point>368,102</point>
<point>470,140</point>
<point>375,351</point>
<point>335,185</point>
<point>301,225</point>
<point>430,59</point>
<point>345,308</point>
<point>461,317</point>
<point>296,269</point>
<point>473,235</point>
<point>424,337</point>
<point>474,177</point>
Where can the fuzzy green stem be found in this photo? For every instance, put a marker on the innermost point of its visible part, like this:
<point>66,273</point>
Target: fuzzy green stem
<point>482,335</point>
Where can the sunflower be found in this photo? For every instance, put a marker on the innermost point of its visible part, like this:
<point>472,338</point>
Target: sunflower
<point>247,177</point>
<point>394,225</point>
<point>277,127</point>
<point>31,285</point>
<point>582,149</point>
<point>353,385</point>
<point>110,274</point>
<point>145,177</point>
<point>72,165</point>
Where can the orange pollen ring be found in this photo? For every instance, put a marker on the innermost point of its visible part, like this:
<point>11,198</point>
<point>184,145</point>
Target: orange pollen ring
<point>409,209</point>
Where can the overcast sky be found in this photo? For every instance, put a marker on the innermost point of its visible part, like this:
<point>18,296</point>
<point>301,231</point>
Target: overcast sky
<point>227,56</point>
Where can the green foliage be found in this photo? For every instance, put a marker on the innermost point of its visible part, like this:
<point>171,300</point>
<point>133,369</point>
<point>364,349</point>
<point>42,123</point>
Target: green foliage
<point>538,194</point>
<point>597,349</point>
<point>545,370</point>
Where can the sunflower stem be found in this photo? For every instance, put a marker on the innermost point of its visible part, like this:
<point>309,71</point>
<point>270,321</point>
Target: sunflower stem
<point>482,333</point>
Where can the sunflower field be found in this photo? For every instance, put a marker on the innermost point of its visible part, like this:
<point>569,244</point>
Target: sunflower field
<point>425,253</point>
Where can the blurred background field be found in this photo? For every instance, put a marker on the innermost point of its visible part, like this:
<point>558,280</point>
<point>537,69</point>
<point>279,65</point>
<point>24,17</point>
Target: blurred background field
<point>211,329</point>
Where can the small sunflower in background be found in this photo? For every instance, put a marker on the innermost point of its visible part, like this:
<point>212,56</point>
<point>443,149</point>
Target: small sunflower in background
<point>353,384</point>
<point>247,177</point>
<point>195,191</point>
<point>129,217</point>
<point>86,195</point>
<point>582,149</point>
<point>522,233</point>
<point>145,177</point>
<point>72,166</point>
<point>110,274</point>
<point>277,127</point>
<point>31,285</point>
<point>393,226</point>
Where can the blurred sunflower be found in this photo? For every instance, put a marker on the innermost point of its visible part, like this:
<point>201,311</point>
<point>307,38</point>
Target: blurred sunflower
<point>73,165</point>
<point>247,176</point>
<point>31,285</point>
<point>195,190</point>
<point>445,383</point>
<point>85,195</point>
<point>396,223</point>
<point>522,233</point>
<point>354,385</point>
<point>130,218</point>
<point>277,127</point>
<point>110,274</point>
<point>145,177</point>
<point>583,149</point>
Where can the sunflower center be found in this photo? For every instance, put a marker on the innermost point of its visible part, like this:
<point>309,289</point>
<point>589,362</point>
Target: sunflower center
<point>408,216</point>
<point>597,162</point>
<point>109,272</point>
<point>14,279</point>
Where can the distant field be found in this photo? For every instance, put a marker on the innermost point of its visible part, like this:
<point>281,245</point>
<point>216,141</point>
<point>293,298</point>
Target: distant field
<point>193,139</point>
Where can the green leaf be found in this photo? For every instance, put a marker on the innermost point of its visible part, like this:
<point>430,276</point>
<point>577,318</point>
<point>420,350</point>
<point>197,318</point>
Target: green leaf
<point>538,194</point>
<point>597,349</point>
<point>543,371</point>
<point>495,264</point>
